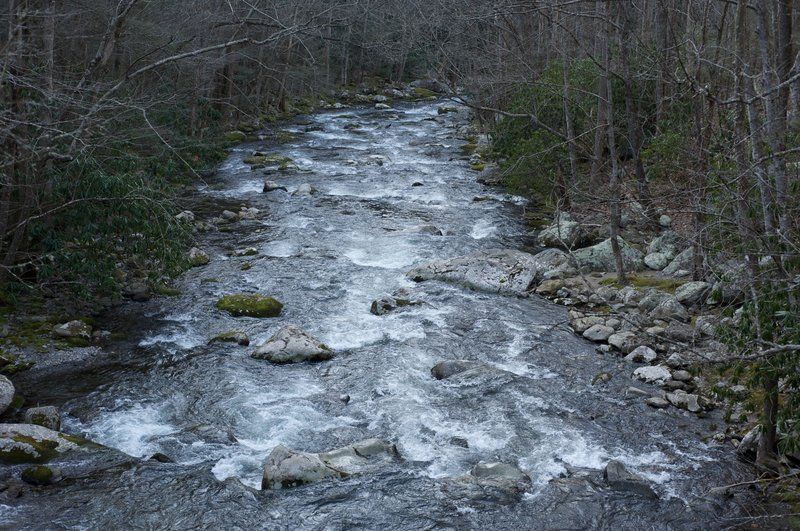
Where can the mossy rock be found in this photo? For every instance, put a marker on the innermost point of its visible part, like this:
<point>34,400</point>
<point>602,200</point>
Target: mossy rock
<point>477,167</point>
<point>284,137</point>
<point>210,280</point>
<point>424,93</point>
<point>38,475</point>
<point>446,110</point>
<point>255,160</point>
<point>235,136</point>
<point>166,291</point>
<point>469,149</point>
<point>246,267</point>
<point>26,449</point>
<point>250,305</point>
<point>240,338</point>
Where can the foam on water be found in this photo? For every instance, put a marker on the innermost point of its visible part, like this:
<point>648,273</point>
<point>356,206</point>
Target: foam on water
<point>483,228</point>
<point>136,429</point>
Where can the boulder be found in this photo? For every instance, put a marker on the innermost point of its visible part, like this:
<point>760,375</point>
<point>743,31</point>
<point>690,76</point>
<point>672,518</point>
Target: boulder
<point>656,261</point>
<point>657,374</point>
<point>286,467</point>
<point>665,221</point>
<point>73,330</point>
<point>682,262</point>
<point>693,293</point>
<point>292,344</point>
<point>683,400</point>
<point>248,213</point>
<point>748,447</point>
<point>186,216</point>
<point>599,257</point>
<point>250,305</point>
<point>30,443</point>
<point>240,338</point>
<point>618,478</point>
<point>581,324</point>
<point>657,402</point>
<point>669,309</point>
<point>667,244</point>
<point>304,189</point>
<point>198,257</point>
<point>643,354</point>
<point>271,186</point>
<point>598,333</point>
<point>46,416</point>
<point>564,232</point>
<point>499,270</point>
<point>228,215</point>
<point>6,393</point>
<point>401,298</point>
<point>706,325</point>
<point>497,483</point>
<point>446,369</point>
<point>625,342</point>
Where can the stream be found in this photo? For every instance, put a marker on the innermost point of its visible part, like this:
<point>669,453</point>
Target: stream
<point>387,182</point>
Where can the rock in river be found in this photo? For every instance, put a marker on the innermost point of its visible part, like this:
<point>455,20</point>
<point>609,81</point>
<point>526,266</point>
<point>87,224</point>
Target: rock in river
<point>497,270</point>
<point>250,305</point>
<point>286,467</point>
<point>618,478</point>
<point>292,344</point>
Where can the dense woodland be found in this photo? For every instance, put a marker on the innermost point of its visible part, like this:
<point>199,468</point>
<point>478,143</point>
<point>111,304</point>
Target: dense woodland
<point>687,105</point>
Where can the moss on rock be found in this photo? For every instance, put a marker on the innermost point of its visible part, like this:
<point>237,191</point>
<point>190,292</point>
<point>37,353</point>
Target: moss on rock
<point>250,305</point>
<point>38,475</point>
<point>235,136</point>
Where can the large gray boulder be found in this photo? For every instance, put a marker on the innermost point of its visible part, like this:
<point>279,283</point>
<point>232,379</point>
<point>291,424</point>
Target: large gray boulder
<point>693,293</point>
<point>286,467</point>
<point>497,270</point>
<point>292,344</point>
<point>6,393</point>
<point>669,309</point>
<point>564,232</point>
<point>489,482</point>
<point>600,257</point>
<point>657,374</point>
<point>619,478</point>
<point>682,262</point>
<point>667,244</point>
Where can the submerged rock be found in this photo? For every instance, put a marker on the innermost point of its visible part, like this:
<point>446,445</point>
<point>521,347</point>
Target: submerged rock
<point>498,270</point>
<point>286,467</point>
<point>401,298</point>
<point>618,478</point>
<point>292,344</point>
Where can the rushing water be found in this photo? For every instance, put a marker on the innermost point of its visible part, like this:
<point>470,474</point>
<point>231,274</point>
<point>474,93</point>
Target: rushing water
<point>217,413</point>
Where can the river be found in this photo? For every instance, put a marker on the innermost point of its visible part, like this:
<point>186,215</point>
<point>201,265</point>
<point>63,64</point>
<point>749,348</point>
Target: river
<point>386,181</point>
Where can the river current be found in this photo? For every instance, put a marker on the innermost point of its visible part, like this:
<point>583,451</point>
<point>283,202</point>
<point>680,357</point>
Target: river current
<point>383,180</point>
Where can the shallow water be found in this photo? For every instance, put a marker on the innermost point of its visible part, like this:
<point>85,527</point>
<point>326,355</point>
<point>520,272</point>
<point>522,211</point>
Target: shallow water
<point>218,413</point>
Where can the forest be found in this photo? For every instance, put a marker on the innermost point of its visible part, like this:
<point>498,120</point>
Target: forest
<point>602,110</point>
